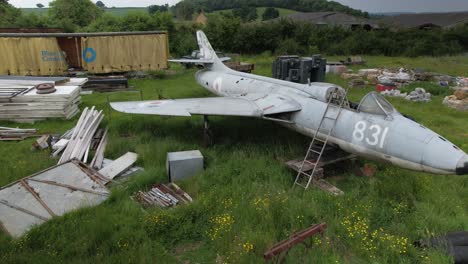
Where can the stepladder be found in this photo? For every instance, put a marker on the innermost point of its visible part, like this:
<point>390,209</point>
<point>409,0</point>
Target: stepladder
<point>310,169</point>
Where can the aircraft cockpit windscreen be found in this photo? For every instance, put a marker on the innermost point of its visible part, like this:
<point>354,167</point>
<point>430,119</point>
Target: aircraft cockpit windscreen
<point>375,103</point>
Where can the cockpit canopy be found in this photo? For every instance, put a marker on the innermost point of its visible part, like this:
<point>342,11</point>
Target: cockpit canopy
<point>375,103</point>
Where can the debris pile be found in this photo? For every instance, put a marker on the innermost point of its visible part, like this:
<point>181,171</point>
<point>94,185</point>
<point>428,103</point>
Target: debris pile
<point>163,196</point>
<point>367,72</point>
<point>459,100</point>
<point>462,82</point>
<point>399,78</point>
<point>14,134</point>
<point>350,76</point>
<point>24,99</point>
<point>394,93</point>
<point>357,83</point>
<point>118,166</point>
<point>419,95</point>
<point>42,143</point>
<point>280,249</point>
<point>106,84</point>
<point>385,87</point>
<point>124,174</point>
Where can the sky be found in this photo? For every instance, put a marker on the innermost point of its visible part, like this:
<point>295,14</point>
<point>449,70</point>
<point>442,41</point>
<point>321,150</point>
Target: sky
<point>379,6</point>
<point>374,6</point>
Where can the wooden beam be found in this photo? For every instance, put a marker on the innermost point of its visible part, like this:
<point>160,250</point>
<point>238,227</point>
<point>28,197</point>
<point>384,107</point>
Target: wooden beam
<point>69,187</point>
<point>30,190</point>
<point>26,211</point>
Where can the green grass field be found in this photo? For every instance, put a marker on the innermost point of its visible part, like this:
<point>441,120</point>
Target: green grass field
<point>243,200</point>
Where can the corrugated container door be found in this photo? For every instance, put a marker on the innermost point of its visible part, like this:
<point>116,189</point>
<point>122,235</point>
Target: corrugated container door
<point>31,56</point>
<point>108,54</point>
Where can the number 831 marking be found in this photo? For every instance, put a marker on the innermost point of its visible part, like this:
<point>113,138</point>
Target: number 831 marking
<point>377,136</point>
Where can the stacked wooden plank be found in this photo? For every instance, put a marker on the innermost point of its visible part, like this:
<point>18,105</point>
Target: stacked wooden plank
<point>79,145</point>
<point>21,102</point>
<point>163,196</point>
<point>13,134</point>
<point>98,159</point>
<point>118,166</point>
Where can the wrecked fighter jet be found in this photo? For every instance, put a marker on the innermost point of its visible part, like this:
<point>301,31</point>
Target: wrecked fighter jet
<point>372,129</point>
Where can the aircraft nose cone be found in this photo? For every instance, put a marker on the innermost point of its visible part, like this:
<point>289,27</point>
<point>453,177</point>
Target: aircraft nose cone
<point>462,166</point>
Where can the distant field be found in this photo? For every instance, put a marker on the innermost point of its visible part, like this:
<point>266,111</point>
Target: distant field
<point>118,11</point>
<point>260,10</point>
<point>34,10</point>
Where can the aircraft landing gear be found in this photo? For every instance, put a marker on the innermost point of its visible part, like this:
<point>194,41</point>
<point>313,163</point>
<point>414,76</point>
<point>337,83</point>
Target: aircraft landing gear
<point>207,133</point>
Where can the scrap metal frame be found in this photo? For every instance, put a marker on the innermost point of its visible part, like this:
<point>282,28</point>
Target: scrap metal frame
<point>284,246</point>
<point>11,93</point>
<point>91,173</point>
<point>36,196</point>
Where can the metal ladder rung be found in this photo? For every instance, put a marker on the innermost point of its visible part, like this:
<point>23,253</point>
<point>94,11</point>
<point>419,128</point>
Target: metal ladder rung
<point>302,185</point>
<point>329,117</point>
<point>316,152</point>
<point>325,131</point>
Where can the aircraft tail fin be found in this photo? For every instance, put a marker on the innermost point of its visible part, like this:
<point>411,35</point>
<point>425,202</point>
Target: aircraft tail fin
<point>207,52</point>
<point>208,55</point>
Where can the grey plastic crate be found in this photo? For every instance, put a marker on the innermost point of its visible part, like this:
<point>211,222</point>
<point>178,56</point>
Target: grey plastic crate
<point>183,165</point>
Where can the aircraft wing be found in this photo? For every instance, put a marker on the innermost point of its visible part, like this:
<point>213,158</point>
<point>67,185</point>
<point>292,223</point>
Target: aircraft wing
<point>201,61</point>
<point>223,59</point>
<point>249,105</point>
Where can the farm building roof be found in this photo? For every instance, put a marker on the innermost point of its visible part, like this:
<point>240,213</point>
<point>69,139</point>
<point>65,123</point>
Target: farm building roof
<point>98,34</point>
<point>444,20</point>
<point>331,18</point>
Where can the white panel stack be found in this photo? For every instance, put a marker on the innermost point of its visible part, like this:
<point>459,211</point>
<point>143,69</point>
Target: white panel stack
<point>80,141</point>
<point>29,106</point>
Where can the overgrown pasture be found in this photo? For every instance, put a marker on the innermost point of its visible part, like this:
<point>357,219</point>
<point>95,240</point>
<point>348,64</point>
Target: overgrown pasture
<point>243,201</point>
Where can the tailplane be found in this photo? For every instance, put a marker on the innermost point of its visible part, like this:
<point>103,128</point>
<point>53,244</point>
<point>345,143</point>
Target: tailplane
<point>208,56</point>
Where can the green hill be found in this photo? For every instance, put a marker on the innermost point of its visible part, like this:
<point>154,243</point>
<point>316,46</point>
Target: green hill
<point>298,5</point>
<point>260,10</point>
<point>118,11</point>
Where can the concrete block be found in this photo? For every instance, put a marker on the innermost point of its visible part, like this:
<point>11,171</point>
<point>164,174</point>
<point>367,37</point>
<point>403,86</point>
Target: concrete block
<point>183,165</point>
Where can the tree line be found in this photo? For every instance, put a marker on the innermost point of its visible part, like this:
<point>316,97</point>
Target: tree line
<point>283,36</point>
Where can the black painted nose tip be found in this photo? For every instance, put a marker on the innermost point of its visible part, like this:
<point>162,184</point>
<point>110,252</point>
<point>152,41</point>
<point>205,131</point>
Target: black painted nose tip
<point>462,167</point>
<point>462,171</point>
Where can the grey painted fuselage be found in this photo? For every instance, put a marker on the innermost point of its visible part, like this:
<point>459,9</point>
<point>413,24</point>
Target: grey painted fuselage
<point>389,137</point>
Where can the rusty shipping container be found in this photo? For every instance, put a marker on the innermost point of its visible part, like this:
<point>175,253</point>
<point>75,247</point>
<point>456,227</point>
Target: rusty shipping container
<point>54,53</point>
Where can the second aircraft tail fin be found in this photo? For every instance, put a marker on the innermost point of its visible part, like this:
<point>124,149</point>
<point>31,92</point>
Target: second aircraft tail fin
<point>208,56</point>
